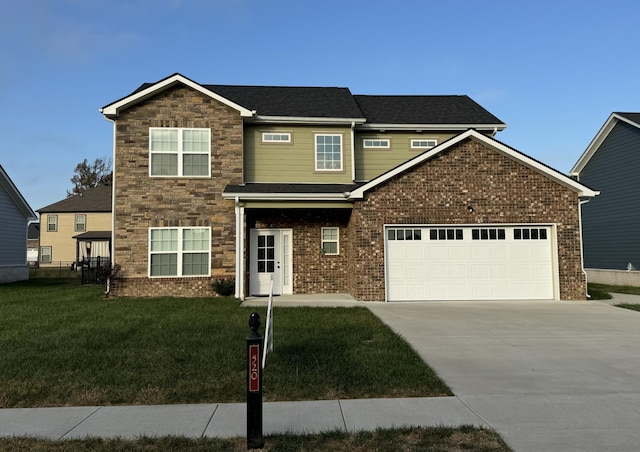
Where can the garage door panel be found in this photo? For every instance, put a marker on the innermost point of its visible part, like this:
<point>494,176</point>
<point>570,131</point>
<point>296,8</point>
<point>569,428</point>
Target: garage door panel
<point>459,267</point>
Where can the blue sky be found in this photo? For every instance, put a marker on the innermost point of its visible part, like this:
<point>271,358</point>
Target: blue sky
<point>552,70</point>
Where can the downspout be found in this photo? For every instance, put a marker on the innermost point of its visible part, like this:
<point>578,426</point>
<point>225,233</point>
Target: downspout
<point>581,202</point>
<point>353,151</point>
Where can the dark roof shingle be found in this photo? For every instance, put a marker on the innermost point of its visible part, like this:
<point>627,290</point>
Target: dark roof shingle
<point>633,117</point>
<point>424,110</point>
<point>96,199</point>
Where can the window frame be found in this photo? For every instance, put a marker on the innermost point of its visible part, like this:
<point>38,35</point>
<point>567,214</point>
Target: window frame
<point>324,240</point>
<point>373,146</point>
<point>273,134</point>
<point>43,254</point>
<point>315,143</point>
<point>179,252</point>
<point>53,223</point>
<point>76,223</point>
<point>180,153</point>
<point>413,141</point>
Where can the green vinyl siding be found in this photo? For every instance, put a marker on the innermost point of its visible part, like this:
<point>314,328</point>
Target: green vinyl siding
<point>292,162</point>
<point>371,162</point>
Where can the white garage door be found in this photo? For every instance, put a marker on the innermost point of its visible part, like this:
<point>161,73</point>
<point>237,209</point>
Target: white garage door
<point>469,263</point>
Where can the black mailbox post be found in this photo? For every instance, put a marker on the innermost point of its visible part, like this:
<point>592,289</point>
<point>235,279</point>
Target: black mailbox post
<point>255,343</point>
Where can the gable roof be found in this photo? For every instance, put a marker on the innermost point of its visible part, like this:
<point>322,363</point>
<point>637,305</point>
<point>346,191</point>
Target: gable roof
<point>96,199</point>
<point>580,189</point>
<point>33,231</point>
<point>442,111</point>
<point>16,196</point>
<point>327,105</point>
<point>632,119</point>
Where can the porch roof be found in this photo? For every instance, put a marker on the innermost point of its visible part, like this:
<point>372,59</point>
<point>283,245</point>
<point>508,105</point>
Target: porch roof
<point>296,191</point>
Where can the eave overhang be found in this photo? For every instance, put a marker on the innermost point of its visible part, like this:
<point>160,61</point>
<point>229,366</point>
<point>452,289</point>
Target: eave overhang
<point>305,120</point>
<point>432,127</point>
<point>112,110</point>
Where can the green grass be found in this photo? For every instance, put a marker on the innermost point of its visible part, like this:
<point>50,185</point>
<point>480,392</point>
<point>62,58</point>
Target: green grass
<point>64,344</point>
<point>598,292</point>
<point>615,289</point>
<point>633,307</point>
<point>434,439</point>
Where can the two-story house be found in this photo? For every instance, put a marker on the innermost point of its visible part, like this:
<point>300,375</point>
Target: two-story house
<point>15,215</point>
<point>610,222</point>
<point>322,191</point>
<point>76,228</point>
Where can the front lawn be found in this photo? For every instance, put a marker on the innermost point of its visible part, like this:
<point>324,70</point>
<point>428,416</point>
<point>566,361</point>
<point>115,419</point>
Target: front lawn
<point>64,344</point>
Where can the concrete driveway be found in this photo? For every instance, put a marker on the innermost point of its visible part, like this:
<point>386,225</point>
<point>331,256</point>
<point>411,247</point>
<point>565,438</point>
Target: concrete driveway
<point>547,375</point>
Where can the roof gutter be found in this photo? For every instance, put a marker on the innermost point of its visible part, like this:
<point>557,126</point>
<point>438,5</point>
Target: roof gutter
<point>422,127</point>
<point>287,196</point>
<point>306,120</point>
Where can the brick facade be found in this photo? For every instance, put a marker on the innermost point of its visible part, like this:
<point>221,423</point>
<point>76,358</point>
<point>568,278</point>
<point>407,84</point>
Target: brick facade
<point>313,272</point>
<point>143,202</point>
<point>439,191</point>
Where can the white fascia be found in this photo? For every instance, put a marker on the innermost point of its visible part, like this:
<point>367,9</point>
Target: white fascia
<point>306,120</point>
<point>113,109</point>
<point>581,190</point>
<point>287,196</point>
<point>430,127</point>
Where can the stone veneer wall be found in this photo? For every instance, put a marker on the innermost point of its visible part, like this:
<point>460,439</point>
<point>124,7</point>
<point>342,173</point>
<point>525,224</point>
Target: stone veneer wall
<point>143,202</point>
<point>500,190</point>
<point>313,272</point>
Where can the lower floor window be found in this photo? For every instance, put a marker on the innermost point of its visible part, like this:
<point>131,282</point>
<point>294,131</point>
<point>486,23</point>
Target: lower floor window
<point>179,252</point>
<point>45,255</point>
<point>330,241</point>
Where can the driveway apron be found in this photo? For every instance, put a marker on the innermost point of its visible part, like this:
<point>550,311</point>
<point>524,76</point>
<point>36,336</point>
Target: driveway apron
<point>547,375</point>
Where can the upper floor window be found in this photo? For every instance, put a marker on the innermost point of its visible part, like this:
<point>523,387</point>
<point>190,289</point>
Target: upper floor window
<point>179,152</point>
<point>328,152</point>
<point>276,137</point>
<point>52,223</point>
<point>376,143</point>
<point>179,251</point>
<point>423,143</point>
<point>81,223</point>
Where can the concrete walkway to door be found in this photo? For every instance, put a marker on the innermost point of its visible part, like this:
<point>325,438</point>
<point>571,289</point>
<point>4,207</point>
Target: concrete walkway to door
<point>547,375</point>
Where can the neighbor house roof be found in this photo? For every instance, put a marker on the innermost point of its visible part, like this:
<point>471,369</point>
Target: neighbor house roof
<point>96,199</point>
<point>16,196</point>
<point>33,231</point>
<point>632,119</point>
<point>326,105</point>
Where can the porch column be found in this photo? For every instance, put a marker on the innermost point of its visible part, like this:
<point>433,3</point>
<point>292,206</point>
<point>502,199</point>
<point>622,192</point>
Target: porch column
<point>239,251</point>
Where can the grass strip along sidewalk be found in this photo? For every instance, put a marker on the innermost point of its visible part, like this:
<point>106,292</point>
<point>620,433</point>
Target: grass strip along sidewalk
<point>66,345</point>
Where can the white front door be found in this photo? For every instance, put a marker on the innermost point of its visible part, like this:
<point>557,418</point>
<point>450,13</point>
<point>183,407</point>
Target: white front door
<point>270,259</point>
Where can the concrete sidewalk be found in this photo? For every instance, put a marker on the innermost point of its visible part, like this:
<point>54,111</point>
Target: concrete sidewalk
<point>228,420</point>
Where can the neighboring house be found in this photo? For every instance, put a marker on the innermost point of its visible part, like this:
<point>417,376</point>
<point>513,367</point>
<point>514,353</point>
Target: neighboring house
<point>610,231</point>
<point>33,243</point>
<point>76,228</point>
<point>15,215</point>
<point>322,191</point>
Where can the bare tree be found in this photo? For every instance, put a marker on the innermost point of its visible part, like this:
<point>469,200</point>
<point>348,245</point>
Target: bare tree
<point>88,175</point>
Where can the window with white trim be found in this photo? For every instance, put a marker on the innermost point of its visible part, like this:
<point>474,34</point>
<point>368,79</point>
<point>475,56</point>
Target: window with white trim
<point>276,137</point>
<point>422,143</point>
<point>45,255</point>
<point>328,152</point>
<point>530,234</point>
<point>330,241</point>
<point>376,143</point>
<point>81,223</point>
<point>179,152</point>
<point>52,223</point>
<point>183,251</point>
<point>446,234</point>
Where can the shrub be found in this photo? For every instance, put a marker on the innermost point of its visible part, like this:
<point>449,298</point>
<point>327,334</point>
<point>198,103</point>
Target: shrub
<point>224,286</point>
